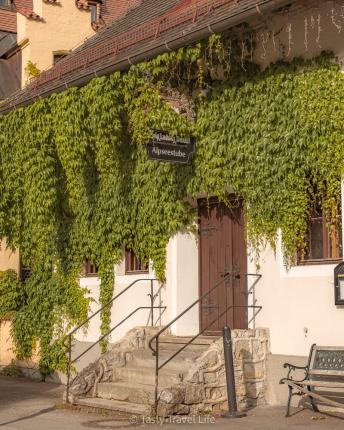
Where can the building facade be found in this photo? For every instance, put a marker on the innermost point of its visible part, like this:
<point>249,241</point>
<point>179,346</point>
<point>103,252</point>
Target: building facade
<point>297,303</point>
<point>291,298</point>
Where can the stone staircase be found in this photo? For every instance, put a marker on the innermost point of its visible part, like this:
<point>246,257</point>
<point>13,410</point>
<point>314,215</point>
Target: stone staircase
<point>131,387</point>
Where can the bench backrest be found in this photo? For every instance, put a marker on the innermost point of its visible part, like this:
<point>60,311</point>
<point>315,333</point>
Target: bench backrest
<point>327,361</point>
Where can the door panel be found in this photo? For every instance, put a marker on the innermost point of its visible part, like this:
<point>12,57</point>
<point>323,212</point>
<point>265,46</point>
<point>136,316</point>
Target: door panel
<point>222,249</point>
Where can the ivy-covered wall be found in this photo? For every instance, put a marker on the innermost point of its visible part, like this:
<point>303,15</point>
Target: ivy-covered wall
<point>76,182</point>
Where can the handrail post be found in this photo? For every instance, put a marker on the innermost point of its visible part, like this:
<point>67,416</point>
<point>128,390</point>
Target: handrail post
<point>156,376</point>
<point>152,303</point>
<point>229,366</point>
<point>69,366</point>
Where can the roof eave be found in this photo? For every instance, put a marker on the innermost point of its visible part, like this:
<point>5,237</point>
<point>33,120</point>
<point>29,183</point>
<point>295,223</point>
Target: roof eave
<point>161,46</point>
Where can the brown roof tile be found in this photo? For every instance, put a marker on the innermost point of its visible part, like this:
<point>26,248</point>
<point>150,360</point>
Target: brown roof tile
<point>23,4</point>
<point>115,9</point>
<point>25,7</point>
<point>8,21</point>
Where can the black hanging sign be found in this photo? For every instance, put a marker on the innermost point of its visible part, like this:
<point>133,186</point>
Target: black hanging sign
<point>172,149</point>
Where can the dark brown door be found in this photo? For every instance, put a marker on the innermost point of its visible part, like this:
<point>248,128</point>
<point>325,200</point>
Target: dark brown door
<point>222,249</point>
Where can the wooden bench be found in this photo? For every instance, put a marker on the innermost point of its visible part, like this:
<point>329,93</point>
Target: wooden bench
<point>324,370</point>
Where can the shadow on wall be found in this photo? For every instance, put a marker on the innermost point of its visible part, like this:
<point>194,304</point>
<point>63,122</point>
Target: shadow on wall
<point>9,81</point>
<point>277,394</point>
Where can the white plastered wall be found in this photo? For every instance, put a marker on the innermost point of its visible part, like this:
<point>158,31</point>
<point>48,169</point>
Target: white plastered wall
<point>179,291</point>
<point>298,305</point>
<point>301,32</point>
<point>182,283</point>
<point>126,304</point>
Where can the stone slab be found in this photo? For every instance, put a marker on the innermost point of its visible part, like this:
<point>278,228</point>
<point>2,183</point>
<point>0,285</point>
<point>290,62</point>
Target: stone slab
<point>113,405</point>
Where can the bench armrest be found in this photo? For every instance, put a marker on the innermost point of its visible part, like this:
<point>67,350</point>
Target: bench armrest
<point>293,367</point>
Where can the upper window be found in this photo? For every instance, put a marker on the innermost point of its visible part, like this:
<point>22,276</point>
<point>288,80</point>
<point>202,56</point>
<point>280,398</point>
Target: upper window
<point>25,272</point>
<point>324,238</point>
<point>90,269</point>
<point>133,264</point>
<point>94,8</point>
<point>58,56</point>
<point>5,3</point>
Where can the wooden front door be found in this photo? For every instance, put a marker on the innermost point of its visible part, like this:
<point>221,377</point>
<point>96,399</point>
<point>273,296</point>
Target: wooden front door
<point>222,249</point>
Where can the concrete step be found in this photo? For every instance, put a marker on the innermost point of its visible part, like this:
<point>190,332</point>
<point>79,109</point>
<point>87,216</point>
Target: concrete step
<point>127,392</point>
<point>113,405</point>
<point>133,374</point>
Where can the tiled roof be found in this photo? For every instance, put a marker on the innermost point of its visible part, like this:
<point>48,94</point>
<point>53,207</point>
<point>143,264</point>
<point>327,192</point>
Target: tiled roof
<point>25,7</point>
<point>23,4</point>
<point>8,21</point>
<point>154,27</point>
<point>115,9</point>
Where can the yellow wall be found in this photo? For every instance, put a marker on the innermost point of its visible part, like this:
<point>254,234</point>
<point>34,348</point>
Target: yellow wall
<point>7,352</point>
<point>6,344</point>
<point>8,259</point>
<point>62,28</point>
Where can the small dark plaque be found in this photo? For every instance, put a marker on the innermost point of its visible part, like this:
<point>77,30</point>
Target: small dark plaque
<point>339,284</point>
<point>172,149</point>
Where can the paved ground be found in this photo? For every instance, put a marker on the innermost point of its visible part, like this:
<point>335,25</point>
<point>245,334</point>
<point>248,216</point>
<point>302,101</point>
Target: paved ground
<point>27,405</point>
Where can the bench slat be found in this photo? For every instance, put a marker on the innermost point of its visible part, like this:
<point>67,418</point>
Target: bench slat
<point>329,348</point>
<point>329,384</point>
<point>315,395</point>
<point>323,372</point>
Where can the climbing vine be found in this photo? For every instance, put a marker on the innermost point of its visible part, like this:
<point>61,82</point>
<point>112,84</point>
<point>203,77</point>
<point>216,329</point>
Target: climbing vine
<point>76,183</point>
<point>274,140</point>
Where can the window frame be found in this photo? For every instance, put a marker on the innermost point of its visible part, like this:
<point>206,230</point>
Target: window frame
<point>94,9</point>
<point>130,260</point>
<point>62,54</point>
<point>24,272</point>
<point>87,273</point>
<point>6,4</point>
<point>326,247</point>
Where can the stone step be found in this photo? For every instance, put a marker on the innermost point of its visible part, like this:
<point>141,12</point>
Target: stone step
<point>127,392</point>
<point>201,340</point>
<point>188,349</point>
<point>181,362</point>
<point>113,405</point>
<point>133,374</point>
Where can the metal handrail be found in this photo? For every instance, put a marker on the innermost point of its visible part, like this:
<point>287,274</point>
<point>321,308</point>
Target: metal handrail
<point>113,329</point>
<point>109,303</point>
<point>69,336</point>
<point>252,290</point>
<point>156,336</point>
<point>155,351</point>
